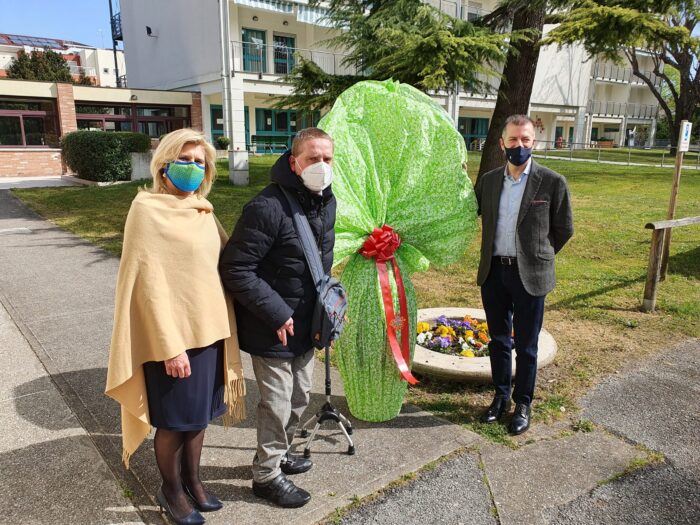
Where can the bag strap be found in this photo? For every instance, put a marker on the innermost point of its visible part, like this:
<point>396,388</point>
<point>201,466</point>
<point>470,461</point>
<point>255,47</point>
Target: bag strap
<point>308,243</point>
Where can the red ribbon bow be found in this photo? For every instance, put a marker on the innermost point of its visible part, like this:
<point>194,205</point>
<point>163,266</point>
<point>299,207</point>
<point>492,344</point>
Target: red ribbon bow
<point>381,246</point>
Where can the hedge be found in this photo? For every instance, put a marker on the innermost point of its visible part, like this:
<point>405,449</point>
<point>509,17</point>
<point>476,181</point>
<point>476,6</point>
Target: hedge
<point>102,156</point>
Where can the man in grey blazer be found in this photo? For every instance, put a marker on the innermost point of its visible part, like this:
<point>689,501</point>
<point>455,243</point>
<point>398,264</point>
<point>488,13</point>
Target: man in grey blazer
<point>526,220</point>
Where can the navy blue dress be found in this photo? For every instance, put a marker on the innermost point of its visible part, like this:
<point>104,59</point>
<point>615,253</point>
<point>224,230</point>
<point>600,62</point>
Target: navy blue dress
<point>190,403</point>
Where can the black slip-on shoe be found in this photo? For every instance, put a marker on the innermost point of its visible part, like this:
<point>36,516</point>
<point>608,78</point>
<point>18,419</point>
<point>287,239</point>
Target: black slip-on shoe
<point>292,464</point>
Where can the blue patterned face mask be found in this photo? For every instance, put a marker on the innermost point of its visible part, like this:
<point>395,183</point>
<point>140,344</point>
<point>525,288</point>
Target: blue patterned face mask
<point>185,176</point>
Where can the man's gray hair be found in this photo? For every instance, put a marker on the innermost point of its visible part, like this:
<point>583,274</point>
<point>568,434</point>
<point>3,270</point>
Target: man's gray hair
<point>517,120</point>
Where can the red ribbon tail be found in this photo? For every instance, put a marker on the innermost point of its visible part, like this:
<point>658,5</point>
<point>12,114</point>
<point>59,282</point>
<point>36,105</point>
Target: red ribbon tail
<point>401,357</point>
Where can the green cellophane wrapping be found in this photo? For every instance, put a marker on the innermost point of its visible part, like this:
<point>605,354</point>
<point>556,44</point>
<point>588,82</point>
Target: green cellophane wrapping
<point>398,161</point>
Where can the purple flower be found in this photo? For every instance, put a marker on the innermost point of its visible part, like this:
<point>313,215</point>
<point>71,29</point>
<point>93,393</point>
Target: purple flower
<point>442,320</point>
<point>444,342</point>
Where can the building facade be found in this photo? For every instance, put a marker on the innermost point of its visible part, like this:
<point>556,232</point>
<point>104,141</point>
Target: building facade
<point>34,116</point>
<point>236,53</point>
<point>83,61</point>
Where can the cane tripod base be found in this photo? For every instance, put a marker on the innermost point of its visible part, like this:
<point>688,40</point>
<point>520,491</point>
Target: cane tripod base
<point>327,413</point>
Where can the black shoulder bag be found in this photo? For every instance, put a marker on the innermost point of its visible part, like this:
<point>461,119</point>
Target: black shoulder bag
<point>331,303</point>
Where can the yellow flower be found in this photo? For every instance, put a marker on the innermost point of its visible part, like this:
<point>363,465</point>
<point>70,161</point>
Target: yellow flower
<point>468,334</point>
<point>442,330</point>
<point>422,327</point>
<point>466,353</point>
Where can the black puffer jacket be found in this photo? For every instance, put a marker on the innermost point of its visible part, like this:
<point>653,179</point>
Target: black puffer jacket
<point>263,265</point>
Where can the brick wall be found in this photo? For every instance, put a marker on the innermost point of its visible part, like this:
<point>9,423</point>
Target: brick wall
<point>66,108</point>
<point>196,111</point>
<point>27,163</point>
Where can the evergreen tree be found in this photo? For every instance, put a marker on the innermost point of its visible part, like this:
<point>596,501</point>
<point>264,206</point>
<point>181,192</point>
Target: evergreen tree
<point>526,17</point>
<point>46,65</point>
<point>664,28</point>
<point>406,40</point>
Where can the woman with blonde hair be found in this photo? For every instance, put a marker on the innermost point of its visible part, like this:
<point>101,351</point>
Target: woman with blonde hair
<point>174,361</point>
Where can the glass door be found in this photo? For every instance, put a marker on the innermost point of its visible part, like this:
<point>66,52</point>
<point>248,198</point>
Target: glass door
<point>217,121</point>
<point>254,59</point>
<point>284,54</point>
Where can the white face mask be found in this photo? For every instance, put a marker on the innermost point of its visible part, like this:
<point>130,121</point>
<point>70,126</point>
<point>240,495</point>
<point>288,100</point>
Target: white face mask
<point>317,177</point>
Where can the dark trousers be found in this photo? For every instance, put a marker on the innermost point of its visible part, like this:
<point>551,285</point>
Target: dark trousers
<point>510,308</point>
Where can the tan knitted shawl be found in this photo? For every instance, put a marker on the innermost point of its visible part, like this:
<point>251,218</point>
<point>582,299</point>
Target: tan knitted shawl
<point>169,298</point>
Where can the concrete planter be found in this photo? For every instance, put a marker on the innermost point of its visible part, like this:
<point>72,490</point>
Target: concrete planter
<point>140,165</point>
<point>468,369</point>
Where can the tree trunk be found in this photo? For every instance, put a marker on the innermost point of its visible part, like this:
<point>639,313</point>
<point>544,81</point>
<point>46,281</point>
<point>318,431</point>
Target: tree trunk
<point>516,85</point>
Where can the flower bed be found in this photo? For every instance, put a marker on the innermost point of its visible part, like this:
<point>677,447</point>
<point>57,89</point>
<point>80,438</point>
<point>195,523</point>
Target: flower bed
<point>455,367</point>
<point>464,336</point>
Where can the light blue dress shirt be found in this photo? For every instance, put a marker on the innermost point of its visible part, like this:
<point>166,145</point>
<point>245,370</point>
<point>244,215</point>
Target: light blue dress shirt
<point>508,210</point>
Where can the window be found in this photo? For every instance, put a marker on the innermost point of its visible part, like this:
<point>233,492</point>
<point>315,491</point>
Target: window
<point>102,110</point>
<point>10,131</point>
<point>152,120</point>
<point>153,129</point>
<point>281,120</point>
<point>27,122</point>
<point>154,112</point>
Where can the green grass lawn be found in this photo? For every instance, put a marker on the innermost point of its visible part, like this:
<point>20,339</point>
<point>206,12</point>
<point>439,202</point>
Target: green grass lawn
<point>593,313</point>
<point>640,156</point>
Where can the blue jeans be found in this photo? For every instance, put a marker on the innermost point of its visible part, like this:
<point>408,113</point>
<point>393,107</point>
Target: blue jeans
<point>509,307</point>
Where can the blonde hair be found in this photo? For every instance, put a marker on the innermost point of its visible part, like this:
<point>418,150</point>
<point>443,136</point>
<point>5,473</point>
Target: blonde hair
<point>169,149</point>
<point>308,134</point>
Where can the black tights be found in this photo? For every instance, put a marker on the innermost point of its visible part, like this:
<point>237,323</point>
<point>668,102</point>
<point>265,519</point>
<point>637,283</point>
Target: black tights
<point>178,455</point>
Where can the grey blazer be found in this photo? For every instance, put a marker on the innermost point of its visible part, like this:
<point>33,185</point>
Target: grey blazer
<point>545,224</point>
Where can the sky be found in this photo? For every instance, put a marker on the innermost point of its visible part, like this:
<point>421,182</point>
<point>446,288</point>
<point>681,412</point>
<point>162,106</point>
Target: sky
<point>84,21</point>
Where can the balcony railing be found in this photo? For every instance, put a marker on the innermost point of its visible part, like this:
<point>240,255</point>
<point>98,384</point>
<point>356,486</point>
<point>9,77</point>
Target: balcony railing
<point>82,70</point>
<point>470,10</point>
<point>254,57</point>
<point>620,109</point>
<point>624,75</point>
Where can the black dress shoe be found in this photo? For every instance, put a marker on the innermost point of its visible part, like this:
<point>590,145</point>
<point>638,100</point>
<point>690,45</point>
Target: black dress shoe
<point>499,406</point>
<point>282,492</point>
<point>193,518</point>
<point>521,419</point>
<point>292,464</point>
<point>210,505</point>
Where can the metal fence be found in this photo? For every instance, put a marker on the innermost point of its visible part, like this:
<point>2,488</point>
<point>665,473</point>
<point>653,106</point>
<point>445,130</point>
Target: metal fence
<point>278,59</point>
<point>610,153</point>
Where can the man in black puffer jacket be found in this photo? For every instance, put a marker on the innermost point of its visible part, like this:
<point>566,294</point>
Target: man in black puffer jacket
<point>264,267</point>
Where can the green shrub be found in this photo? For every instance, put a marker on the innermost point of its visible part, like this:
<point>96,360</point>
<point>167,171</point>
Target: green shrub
<point>135,142</point>
<point>102,156</point>
<point>222,142</point>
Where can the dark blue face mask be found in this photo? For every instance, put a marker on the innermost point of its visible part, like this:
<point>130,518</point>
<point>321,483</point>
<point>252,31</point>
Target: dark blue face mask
<point>519,155</point>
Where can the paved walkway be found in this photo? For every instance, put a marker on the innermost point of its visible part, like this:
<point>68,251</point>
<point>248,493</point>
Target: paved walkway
<point>60,450</point>
<point>59,291</point>
<point>7,183</point>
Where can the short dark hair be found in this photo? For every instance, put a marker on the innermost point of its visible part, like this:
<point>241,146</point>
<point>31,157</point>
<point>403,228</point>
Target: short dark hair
<point>517,120</point>
<point>308,134</point>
